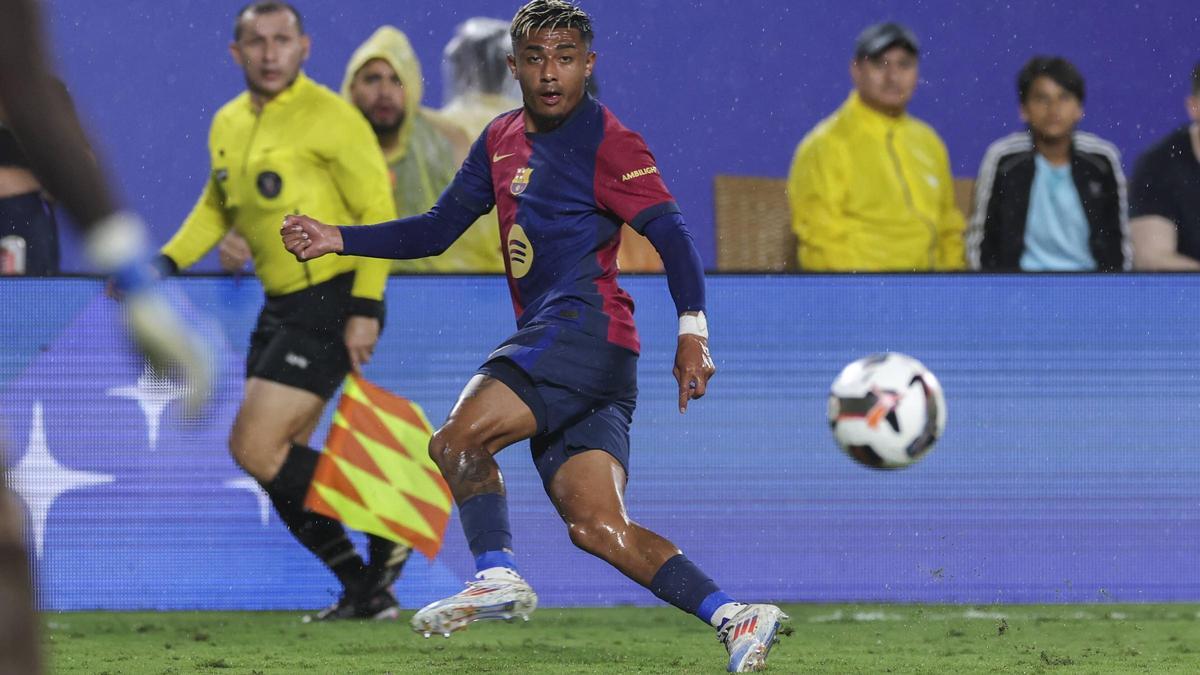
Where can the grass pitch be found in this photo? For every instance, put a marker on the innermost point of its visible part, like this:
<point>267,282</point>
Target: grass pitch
<point>823,639</point>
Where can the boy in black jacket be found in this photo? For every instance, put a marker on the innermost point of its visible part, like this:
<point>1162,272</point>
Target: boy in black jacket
<point>1050,198</point>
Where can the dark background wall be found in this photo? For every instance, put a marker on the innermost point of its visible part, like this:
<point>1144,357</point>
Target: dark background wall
<point>715,86</point>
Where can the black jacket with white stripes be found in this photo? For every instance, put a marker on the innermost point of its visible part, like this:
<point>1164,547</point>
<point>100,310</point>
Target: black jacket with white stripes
<point>996,233</point>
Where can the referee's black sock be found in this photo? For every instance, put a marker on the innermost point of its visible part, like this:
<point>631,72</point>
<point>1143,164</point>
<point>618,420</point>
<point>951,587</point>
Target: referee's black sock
<point>322,535</point>
<point>387,561</point>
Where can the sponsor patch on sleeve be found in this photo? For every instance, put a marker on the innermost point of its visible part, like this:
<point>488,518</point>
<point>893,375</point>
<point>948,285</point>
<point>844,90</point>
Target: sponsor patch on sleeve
<point>626,177</point>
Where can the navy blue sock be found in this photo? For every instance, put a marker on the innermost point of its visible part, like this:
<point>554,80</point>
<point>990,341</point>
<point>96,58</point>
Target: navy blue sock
<point>490,559</point>
<point>711,604</point>
<point>682,584</point>
<point>485,522</point>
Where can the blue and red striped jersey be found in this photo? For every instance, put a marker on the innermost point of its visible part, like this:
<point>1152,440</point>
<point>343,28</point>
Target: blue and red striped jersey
<point>561,197</point>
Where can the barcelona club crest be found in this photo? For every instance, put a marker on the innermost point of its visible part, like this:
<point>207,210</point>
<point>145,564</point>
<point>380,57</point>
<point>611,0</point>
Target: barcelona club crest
<point>520,181</point>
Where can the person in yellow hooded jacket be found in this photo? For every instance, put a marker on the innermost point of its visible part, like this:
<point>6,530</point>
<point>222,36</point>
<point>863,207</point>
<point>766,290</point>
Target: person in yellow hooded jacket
<point>870,187</point>
<point>383,80</point>
<point>287,145</point>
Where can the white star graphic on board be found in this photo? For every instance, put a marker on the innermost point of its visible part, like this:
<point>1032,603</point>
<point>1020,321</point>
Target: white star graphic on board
<point>39,479</point>
<point>251,485</point>
<point>153,394</point>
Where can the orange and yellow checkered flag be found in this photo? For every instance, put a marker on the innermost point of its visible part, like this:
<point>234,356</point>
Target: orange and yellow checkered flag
<point>375,474</point>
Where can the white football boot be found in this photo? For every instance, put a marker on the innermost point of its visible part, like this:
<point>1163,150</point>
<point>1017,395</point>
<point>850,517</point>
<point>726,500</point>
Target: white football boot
<point>749,635</point>
<point>496,593</point>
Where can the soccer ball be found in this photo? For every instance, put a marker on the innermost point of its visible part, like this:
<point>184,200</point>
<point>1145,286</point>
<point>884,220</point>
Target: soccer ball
<point>886,410</point>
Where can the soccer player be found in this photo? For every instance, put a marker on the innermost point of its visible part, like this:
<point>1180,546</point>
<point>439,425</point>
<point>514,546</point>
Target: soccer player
<point>289,145</point>
<point>563,174</point>
<point>35,109</point>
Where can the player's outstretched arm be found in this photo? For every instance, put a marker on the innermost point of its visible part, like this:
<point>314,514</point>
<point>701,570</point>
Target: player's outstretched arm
<point>417,236</point>
<point>468,197</point>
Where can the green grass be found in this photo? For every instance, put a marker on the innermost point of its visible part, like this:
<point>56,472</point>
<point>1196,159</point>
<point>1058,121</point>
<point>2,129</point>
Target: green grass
<point>823,639</point>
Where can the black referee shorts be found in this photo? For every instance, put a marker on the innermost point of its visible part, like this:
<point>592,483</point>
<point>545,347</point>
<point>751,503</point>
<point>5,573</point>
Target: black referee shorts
<point>299,339</point>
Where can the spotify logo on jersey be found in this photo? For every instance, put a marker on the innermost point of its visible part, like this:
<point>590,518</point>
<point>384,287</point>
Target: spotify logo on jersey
<point>520,252</point>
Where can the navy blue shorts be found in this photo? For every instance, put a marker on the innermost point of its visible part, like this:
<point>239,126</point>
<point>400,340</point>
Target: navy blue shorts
<point>582,391</point>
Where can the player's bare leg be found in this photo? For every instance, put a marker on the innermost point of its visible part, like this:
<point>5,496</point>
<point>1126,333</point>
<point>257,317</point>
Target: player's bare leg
<point>18,620</point>
<point>588,491</point>
<point>269,441</point>
<point>487,418</point>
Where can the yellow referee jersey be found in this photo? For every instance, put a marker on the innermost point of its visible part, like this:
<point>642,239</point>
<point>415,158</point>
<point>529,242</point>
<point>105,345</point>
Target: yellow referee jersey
<point>307,151</point>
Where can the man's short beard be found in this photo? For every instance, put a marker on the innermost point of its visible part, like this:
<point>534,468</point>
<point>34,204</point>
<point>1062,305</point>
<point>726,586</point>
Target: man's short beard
<point>387,129</point>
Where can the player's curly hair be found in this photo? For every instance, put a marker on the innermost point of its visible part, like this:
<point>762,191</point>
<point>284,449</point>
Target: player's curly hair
<point>539,14</point>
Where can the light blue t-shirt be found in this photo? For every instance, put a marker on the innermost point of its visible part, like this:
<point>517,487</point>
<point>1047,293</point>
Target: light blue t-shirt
<point>1056,228</point>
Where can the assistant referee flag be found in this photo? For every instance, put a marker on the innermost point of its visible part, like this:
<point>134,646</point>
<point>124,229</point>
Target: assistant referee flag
<point>375,474</point>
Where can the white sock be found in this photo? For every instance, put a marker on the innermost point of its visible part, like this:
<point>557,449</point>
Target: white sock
<point>725,612</point>
<point>506,573</point>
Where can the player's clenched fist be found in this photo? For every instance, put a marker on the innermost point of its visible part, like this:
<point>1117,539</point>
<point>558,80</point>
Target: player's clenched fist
<point>306,238</point>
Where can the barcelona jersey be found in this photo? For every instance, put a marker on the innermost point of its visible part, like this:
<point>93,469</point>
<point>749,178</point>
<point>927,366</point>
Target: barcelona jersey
<point>561,197</point>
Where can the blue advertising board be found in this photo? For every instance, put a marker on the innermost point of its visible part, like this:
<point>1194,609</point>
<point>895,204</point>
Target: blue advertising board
<point>1068,471</point>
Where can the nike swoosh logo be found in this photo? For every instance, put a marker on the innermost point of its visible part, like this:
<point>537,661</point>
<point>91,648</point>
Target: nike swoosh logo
<point>497,156</point>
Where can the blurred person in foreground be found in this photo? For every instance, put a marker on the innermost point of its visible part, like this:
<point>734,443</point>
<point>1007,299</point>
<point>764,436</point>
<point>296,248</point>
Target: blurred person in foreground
<point>288,145</point>
<point>57,152</point>
<point>1165,197</point>
<point>870,187</point>
<point>1050,198</point>
<point>571,174</point>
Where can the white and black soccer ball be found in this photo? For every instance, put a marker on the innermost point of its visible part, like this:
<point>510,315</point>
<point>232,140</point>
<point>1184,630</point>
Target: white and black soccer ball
<point>886,410</point>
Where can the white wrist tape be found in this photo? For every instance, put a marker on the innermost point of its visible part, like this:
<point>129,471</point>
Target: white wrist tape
<point>116,241</point>
<point>694,325</point>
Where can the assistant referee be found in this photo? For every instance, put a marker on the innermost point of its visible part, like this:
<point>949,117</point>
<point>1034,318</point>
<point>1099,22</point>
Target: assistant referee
<point>288,145</point>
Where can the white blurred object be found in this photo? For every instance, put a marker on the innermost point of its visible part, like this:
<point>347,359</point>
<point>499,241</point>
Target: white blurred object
<point>12,255</point>
<point>475,61</point>
<point>170,346</point>
<point>117,245</point>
